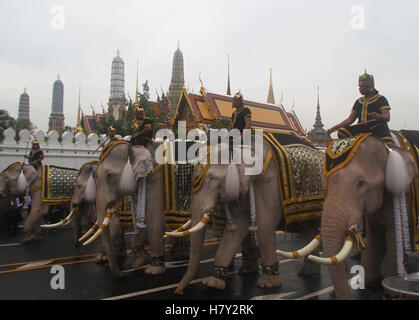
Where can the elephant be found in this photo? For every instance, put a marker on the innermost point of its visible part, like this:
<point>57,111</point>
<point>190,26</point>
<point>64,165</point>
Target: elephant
<point>364,189</point>
<point>111,185</point>
<point>228,183</point>
<point>13,181</point>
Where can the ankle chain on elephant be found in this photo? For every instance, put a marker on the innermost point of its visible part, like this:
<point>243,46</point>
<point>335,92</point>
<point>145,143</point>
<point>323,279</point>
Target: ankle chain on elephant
<point>220,272</point>
<point>139,251</point>
<point>272,270</point>
<point>30,234</point>
<point>157,261</point>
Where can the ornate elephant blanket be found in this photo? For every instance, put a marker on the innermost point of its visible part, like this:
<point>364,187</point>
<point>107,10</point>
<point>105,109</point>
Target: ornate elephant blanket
<point>299,170</point>
<point>340,152</point>
<point>179,182</point>
<point>57,184</point>
<point>109,147</point>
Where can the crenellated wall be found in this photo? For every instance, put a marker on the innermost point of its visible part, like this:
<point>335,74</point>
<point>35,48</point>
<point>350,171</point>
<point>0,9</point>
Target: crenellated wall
<point>65,154</point>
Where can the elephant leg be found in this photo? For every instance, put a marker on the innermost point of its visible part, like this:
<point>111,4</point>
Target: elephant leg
<point>267,218</point>
<point>372,256</point>
<point>230,244</point>
<point>110,253</point>
<point>250,254</point>
<point>391,256</point>
<point>155,233</point>
<point>141,257</point>
<point>77,233</point>
<point>309,230</point>
<point>32,227</point>
<point>119,243</point>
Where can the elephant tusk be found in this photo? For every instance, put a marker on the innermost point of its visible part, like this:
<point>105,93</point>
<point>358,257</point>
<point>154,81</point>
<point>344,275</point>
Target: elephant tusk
<point>91,230</point>
<point>199,226</point>
<point>313,245</point>
<point>341,256</point>
<point>182,228</point>
<point>105,223</point>
<point>63,222</point>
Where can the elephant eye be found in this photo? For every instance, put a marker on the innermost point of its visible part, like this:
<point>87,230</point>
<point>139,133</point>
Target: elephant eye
<point>361,183</point>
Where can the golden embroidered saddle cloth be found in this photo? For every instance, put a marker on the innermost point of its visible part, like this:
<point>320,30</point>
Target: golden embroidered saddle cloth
<point>57,184</point>
<point>340,153</point>
<point>299,170</point>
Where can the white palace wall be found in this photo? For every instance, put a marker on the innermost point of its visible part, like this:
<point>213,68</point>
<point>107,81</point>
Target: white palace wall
<point>67,153</point>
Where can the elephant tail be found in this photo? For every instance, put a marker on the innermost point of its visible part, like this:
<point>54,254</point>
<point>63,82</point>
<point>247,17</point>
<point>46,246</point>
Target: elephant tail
<point>232,183</point>
<point>127,182</point>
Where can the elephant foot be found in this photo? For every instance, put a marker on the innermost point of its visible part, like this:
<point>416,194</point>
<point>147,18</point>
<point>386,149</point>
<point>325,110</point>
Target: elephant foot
<point>157,266</point>
<point>78,246</point>
<point>215,283</point>
<point>249,267</point>
<point>269,281</point>
<point>141,261</point>
<point>179,291</point>
<point>30,237</point>
<point>101,258</point>
<point>154,271</point>
<point>270,277</point>
<point>309,269</point>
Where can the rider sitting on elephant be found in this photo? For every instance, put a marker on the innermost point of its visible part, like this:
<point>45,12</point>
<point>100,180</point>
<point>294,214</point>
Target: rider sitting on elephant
<point>242,116</point>
<point>143,129</point>
<point>35,156</point>
<point>372,111</point>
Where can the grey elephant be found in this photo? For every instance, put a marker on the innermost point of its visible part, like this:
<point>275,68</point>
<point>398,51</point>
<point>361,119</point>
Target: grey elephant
<point>112,185</point>
<point>13,181</point>
<point>229,183</point>
<point>363,177</point>
<point>50,185</point>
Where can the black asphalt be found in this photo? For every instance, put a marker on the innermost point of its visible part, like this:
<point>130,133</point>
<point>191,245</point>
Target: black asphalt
<point>25,274</point>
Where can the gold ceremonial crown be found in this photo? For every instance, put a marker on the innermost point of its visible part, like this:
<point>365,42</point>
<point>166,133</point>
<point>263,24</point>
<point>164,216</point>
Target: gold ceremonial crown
<point>35,141</point>
<point>366,79</point>
<point>138,108</point>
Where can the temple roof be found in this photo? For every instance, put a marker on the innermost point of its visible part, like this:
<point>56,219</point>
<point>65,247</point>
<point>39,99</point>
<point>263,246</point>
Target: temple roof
<point>208,106</point>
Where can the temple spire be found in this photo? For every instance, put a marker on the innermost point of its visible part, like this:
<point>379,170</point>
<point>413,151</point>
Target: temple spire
<point>136,104</point>
<point>271,98</point>
<point>228,77</point>
<point>78,125</point>
<point>318,123</point>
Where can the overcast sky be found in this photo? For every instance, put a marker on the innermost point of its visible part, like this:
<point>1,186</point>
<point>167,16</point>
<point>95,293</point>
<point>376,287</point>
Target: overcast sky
<point>306,43</point>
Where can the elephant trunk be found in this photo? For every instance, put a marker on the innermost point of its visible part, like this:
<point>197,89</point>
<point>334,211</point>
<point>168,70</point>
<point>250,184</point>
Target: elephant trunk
<point>333,231</point>
<point>197,240</point>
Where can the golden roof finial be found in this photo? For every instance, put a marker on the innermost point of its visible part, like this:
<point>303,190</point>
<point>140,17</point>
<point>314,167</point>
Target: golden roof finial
<point>271,98</point>
<point>136,103</point>
<point>78,127</point>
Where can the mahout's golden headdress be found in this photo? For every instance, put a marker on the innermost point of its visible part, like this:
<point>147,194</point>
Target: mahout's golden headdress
<point>366,79</point>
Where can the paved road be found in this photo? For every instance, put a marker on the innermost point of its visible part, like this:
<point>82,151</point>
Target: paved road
<point>25,273</point>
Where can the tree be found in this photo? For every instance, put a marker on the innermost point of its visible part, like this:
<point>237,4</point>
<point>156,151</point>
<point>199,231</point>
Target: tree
<point>6,121</point>
<point>124,126</point>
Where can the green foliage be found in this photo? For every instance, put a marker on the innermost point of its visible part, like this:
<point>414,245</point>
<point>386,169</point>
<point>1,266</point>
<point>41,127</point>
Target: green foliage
<point>220,124</point>
<point>123,126</point>
<point>6,121</point>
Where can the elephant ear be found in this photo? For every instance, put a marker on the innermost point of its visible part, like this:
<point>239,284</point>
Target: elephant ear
<point>400,171</point>
<point>142,162</point>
